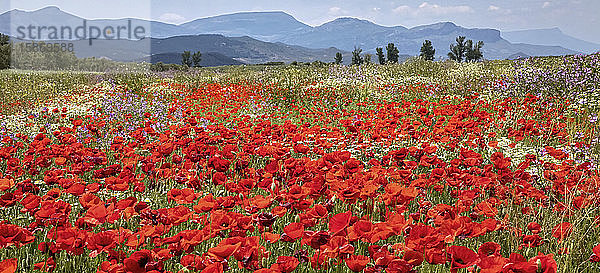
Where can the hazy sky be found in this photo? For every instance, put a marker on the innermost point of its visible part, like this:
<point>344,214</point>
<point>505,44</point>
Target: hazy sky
<point>579,18</point>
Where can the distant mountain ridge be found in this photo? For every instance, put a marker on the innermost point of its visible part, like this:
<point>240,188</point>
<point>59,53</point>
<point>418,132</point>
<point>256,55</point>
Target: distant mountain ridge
<point>265,26</point>
<point>230,50</point>
<point>279,27</point>
<point>552,37</point>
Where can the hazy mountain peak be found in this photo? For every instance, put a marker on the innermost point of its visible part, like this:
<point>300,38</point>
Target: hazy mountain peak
<point>557,29</point>
<point>351,24</point>
<point>266,13</point>
<point>437,26</point>
<point>349,20</point>
<point>443,24</point>
<point>45,11</point>
<point>256,15</point>
<point>266,26</point>
<point>550,37</point>
<point>50,9</point>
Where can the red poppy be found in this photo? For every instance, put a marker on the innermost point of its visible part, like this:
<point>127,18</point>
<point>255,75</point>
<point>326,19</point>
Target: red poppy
<point>318,239</point>
<point>46,266</point>
<point>357,263</point>
<point>545,263</point>
<point>136,263</point>
<point>301,148</point>
<point>219,178</point>
<point>224,250</point>
<point>270,237</point>
<point>339,222</point>
<point>285,264</point>
<point>534,227</point>
<point>595,258</point>
<point>461,257</point>
<point>413,258</point>
<point>96,214</point>
<point>532,241</point>
<point>8,266</point>
<point>102,241</point>
<point>205,204</point>
<point>266,219</point>
<point>562,230</point>
<point>214,268</point>
<point>518,263</point>
<point>292,232</point>
<point>182,196</point>
<point>399,266</point>
<point>14,235</point>
<point>177,215</point>
<point>490,259</point>
<point>192,261</point>
<point>6,184</point>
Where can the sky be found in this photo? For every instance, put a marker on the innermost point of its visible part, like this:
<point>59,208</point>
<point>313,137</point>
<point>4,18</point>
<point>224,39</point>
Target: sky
<point>578,18</point>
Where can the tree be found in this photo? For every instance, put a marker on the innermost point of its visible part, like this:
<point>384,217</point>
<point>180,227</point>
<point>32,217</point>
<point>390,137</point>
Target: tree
<point>160,67</point>
<point>186,59</point>
<point>380,56</point>
<point>465,50</point>
<point>367,58</point>
<point>474,51</point>
<point>356,58</point>
<point>392,53</point>
<point>5,51</point>
<point>338,58</point>
<point>427,51</point>
<point>196,58</point>
<point>458,50</point>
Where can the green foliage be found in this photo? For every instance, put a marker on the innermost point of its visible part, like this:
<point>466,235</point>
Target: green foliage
<point>474,51</point>
<point>427,51</point>
<point>367,58</point>
<point>186,58</point>
<point>5,51</point>
<point>196,58</point>
<point>23,89</point>
<point>465,50</point>
<point>318,63</point>
<point>4,39</point>
<point>380,56</point>
<point>274,63</point>
<point>162,67</point>
<point>392,53</point>
<point>356,58</point>
<point>338,58</point>
<point>24,59</point>
<point>458,50</point>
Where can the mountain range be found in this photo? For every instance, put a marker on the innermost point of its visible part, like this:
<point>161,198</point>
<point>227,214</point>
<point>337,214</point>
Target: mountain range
<point>254,37</point>
<point>550,36</point>
<point>220,49</point>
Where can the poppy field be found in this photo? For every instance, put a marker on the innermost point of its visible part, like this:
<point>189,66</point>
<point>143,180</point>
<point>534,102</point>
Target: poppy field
<point>418,167</point>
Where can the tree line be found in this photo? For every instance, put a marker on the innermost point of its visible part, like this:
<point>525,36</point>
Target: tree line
<point>462,50</point>
<point>5,51</point>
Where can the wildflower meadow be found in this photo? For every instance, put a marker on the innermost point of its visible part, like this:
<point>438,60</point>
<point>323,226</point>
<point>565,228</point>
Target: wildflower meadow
<point>415,167</point>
